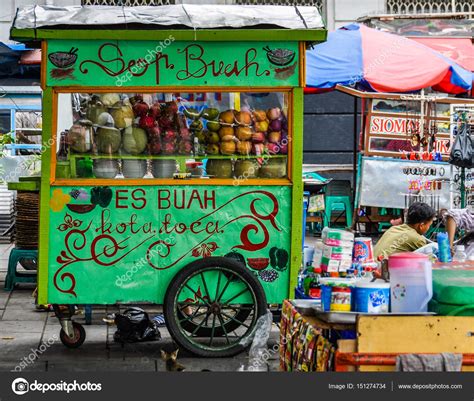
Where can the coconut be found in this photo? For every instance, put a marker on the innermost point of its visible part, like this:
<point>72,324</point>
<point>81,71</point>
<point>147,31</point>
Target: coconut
<point>109,99</point>
<point>105,120</point>
<point>243,133</point>
<point>244,147</point>
<point>79,136</point>
<point>259,115</point>
<point>227,148</point>
<point>123,115</point>
<point>108,140</point>
<point>243,117</point>
<point>94,109</point>
<point>134,140</point>
<point>227,133</point>
<point>227,117</point>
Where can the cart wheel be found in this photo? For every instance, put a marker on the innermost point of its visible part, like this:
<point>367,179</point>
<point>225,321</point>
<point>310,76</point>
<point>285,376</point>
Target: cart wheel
<point>79,336</point>
<point>212,305</point>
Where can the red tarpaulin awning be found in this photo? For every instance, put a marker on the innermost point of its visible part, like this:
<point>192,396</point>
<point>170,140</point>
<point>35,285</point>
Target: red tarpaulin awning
<point>461,50</point>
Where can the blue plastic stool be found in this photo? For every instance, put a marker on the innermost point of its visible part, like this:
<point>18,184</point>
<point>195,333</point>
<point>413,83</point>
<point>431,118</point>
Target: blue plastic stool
<point>338,199</point>
<point>13,276</point>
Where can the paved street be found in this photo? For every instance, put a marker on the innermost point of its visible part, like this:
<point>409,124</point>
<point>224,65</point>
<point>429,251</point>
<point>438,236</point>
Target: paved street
<point>23,330</point>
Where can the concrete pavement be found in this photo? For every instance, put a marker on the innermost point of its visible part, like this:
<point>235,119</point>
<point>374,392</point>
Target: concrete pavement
<point>29,340</point>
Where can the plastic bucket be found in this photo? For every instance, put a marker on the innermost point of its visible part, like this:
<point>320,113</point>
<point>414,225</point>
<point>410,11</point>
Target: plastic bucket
<point>411,283</point>
<point>372,297</point>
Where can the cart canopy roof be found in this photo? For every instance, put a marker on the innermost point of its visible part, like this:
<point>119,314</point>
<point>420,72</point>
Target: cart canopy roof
<point>299,23</point>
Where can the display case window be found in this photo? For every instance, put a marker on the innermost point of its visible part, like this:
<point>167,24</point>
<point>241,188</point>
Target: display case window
<point>182,135</point>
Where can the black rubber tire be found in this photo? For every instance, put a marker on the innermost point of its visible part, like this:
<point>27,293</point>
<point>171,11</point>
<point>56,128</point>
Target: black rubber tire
<point>182,276</point>
<point>79,336</point>
<point>241,315</point>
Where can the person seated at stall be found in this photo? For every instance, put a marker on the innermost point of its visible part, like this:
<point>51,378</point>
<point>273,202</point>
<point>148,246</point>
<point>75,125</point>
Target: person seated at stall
<point>462,219</point>
<point>407,237</point>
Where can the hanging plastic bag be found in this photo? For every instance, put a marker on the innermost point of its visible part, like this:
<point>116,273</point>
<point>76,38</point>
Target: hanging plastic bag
<point>259,354</point>
<point>462,152</point>
<point>134,325</point>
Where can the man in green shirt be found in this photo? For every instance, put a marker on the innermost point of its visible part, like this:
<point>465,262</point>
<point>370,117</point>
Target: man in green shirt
<point>406,237</point>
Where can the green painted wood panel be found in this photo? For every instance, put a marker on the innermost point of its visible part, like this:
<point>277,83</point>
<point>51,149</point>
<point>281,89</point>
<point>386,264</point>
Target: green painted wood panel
<point>171,63</point>
<point>125,244</point>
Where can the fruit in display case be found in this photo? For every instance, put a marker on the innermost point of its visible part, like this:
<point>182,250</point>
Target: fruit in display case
<point>244,147</point>
<point>219,168</point>
<point>213,126</point>
<point>259,115</point>
<point>123,115</point>
<point>185,134</point>
<point>273,168</point>
<point>258,137</point>
<point>168,148</point>
<point>109,99</point>
<point>210,113</point>
<point>273,148</point>
<point>261,126</point>
<point>169,135</point>
<point>185,147</point>
<point>274,113</point>
<point>154,146</point>
<point>196,125</point>
<point>201,136</point>
<point>192,113</point>
<point>153,132</point>
<point>275,125</point>
<point>146,122</point>
<point>284,149</point>
<point>243,118</point>
<point>227,117</point>
<point>108,140</point>
<point>94,109</point>
<point>105,120</point>
<point>274,136</point>
<point>170,108</point>
<point>140,108</point>
<point>246,169</point>
<point>134,140</point>
<point>227,148</point>
<point>155,110</point>
<point>212,149</point>
<point>135,99</point>
<point>226,133</point>
<point>243,133</point>
<point>166,121</point>
<point>212,137</point>
<point>79,136</point>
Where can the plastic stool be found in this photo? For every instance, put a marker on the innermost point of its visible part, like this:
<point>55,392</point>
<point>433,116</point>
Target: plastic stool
<point>337,199</point>
<point>14,277</point>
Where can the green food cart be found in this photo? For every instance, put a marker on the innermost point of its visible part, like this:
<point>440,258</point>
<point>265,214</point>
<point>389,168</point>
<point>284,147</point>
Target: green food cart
<point>172,162</point>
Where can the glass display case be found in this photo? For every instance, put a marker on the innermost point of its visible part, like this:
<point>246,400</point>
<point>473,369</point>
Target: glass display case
<point>126,135</point>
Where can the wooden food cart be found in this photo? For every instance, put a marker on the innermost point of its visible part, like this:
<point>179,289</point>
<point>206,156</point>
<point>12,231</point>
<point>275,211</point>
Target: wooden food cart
<point>133,103</point>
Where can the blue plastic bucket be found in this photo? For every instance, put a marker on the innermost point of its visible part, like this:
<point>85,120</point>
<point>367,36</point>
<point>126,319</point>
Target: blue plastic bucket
<point>372,297</point>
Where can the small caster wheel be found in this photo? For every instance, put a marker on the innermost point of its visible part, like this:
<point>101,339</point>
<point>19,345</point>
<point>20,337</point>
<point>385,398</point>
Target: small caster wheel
<point>77,340</point>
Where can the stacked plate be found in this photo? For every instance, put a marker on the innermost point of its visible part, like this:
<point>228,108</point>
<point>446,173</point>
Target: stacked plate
<point>27,220</point>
